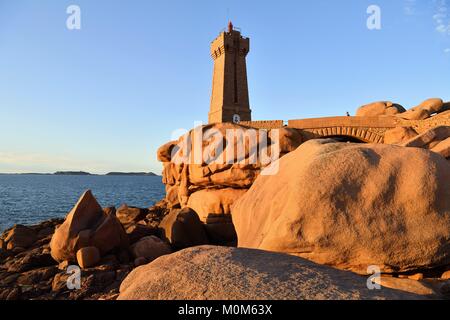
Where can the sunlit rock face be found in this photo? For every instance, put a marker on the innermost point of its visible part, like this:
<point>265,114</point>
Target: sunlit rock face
<point>352,206</point>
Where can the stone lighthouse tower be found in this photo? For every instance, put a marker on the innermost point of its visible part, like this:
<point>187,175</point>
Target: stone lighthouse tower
<point>229,97</point>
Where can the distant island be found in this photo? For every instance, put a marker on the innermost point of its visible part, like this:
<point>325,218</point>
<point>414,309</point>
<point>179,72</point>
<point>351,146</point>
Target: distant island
<point>83,173</point>
<point>72,173</point>
<point>131,174</point>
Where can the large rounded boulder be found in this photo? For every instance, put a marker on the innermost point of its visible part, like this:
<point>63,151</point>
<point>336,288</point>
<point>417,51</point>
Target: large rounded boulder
<point>352,206</point>
<point>225,273</point>
<point>379,108</point>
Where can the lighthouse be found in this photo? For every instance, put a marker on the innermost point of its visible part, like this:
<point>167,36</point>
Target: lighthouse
<point>229,97</point>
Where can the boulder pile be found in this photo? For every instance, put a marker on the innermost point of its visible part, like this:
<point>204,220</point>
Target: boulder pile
<point>210,185</point>
<point>183,228</point>
<point>436,139</point>
<point>19,238</point>
<point>423,111</point>
<point>90,233</point>
<point>379,108</point>
<point>106,245</point>
<point>88,225</point>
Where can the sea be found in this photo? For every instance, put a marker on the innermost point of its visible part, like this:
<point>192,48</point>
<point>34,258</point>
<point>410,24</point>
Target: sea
<point>30,199</point>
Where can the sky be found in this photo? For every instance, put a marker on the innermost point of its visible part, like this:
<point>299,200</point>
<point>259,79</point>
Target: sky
<point>104,97</point>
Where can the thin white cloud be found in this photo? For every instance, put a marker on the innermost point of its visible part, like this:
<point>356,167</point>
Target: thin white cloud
<point>38,162</point>
<point>441,17</point>
<point>447,50</point>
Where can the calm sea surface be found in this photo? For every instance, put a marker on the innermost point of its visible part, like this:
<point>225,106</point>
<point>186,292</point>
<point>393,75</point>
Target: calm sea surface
<point>30,199</point>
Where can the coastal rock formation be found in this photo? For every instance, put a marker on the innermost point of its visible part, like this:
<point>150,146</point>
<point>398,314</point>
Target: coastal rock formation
<point>429,138</point>
<point>183,228</point>
<point>288,139</point>
<point>19,237</point>
<point>32,273</point>
<point>108,235</point>
<point>130,215</point>
<point>426,109</point>
<point>164,152</point>
<point>138,231</point>
<point>224,273</point>
<point>87,225</point>
<point>415,114</point>
<point>433,105</point>
<point>430,288</point>
<point>436,139</point>
<point>213,171</point>
<point>443,114</point>
<point>423,110</point>
<point>150,248</point>
<point>88,257</point>
<point>399,135</point>
<point>443,148</point>
<point>352,206</point>
<point>214,205</point>
<point>221,233</point>
<point>380,108</point>
<point>214,209</point>
<point>344,205</point>
<point>210,186</point>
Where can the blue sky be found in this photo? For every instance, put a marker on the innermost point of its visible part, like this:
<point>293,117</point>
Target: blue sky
<point>104,98</point>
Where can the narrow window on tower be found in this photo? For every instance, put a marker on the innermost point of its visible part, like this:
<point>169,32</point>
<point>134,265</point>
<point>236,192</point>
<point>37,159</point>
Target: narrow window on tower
<point>235,83</point>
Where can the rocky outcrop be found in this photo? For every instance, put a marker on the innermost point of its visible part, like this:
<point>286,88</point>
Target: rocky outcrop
<point>444,114</point>
<point>424,110</point>
<point>224,273</point>
<point>429,138</point>
<point>288,139</point>
<point>88,225</point>
<point>190,176</point>
<point>150,248</point>
<point>380,108</point>
<point>436,139</point>
<point>211,185</point>
<point>183,229</point>
<point>430,288</point>
<point>214,205</point>
<point>18,238</point>
<point>138,231</point>
<point>88,257</point>
<point>399,135</point>
<point>130,215</point>
<point>109,235</point>
<point>214,209</point>
<point>30,272</point>
<point>344,205</point>
<point>443,148</point>
<point>352,206</point>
